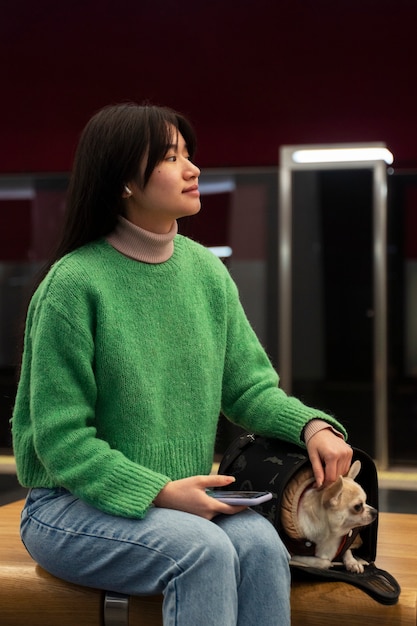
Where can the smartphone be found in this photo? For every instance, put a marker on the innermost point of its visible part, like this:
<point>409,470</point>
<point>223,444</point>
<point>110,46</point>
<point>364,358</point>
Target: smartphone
<point>242,498</point>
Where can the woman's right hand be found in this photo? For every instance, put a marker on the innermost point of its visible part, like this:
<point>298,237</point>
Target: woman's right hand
<point>189,495</point>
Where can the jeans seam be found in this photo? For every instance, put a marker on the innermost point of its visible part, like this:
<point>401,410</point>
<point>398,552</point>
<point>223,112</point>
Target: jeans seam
<point>73,533</point>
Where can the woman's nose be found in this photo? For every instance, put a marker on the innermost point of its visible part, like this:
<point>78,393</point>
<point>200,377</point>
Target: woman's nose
<point>193,170</point>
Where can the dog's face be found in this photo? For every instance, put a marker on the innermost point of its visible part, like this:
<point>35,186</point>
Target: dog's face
<point>344,503</point>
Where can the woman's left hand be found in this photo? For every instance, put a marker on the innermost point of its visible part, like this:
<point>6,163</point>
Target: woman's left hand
<point>330,456</point>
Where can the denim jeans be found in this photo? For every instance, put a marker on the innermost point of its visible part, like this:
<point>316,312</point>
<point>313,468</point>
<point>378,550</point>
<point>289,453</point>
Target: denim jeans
<point>230,571</point>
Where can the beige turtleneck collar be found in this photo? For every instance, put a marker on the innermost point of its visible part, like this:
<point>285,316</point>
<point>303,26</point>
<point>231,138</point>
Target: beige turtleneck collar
<point>140,244</point>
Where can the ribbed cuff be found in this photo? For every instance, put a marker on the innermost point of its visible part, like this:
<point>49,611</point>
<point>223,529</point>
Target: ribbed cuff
<point>316,425</point>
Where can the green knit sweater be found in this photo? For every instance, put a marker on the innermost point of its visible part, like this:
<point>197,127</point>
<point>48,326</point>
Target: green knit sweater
<point>125,370</point>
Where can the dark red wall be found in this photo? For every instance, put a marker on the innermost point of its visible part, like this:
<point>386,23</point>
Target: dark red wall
<point>251,74</point>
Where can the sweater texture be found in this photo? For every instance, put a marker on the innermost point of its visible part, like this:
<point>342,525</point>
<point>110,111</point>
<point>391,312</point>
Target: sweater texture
<point>126,368</point>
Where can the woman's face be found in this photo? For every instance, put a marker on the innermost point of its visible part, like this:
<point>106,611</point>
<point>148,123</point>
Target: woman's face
<point>172,191</point>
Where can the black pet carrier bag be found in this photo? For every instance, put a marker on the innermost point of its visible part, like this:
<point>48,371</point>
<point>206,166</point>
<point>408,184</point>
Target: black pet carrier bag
<point>266,464</point>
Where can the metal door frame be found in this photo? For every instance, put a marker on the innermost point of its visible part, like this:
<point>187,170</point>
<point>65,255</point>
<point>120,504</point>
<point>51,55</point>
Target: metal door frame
<point>379,173</point>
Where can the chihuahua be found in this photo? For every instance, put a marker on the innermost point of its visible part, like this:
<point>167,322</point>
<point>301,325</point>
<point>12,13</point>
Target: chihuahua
<point>325,516</point>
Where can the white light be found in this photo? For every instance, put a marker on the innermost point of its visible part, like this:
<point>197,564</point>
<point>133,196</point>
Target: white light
<point>223,252</point>
<point>21,192</point>
<point>340,155</point>
<point>207,187</point>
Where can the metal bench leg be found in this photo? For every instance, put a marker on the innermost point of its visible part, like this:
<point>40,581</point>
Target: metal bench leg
<point>116,609</point>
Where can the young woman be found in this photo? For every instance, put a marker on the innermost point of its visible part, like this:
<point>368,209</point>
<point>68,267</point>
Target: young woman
<point>135,341</point>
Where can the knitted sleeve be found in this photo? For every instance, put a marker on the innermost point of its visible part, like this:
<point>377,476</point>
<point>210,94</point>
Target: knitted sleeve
<point>252,397</point>
<point>54,418</point>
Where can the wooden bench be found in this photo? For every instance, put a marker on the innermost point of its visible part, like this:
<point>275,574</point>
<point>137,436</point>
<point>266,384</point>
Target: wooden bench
<point>29,596</point>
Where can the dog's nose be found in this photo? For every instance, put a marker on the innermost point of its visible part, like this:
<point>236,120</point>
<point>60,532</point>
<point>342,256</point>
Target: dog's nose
<point>373,512</point>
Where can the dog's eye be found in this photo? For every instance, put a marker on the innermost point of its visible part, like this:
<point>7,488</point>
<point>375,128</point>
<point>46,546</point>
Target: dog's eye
<point>358,508</point>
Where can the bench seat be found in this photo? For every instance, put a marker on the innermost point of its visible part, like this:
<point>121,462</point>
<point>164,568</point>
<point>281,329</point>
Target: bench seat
<point>29,596</point>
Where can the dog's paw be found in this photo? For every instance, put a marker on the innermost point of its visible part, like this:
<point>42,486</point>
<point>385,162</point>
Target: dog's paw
<point>354,565</point>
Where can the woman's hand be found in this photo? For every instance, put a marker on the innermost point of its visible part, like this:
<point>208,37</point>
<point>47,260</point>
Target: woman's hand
<point>330,456</point>
<point>189,495</point>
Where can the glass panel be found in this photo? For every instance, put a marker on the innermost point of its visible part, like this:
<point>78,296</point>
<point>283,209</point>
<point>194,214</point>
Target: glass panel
<point>332,315</point>
<point>239,211</point>
<point>332,332</point>
<point>30,215</point>
<point>402,289</point>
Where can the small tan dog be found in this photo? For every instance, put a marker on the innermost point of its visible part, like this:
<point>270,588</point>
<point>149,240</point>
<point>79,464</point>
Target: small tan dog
<point>326,517</point>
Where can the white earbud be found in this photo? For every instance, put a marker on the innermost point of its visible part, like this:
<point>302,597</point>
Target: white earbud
<point>127,190</point>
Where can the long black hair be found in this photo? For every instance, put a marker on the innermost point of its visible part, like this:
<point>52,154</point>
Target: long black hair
<point>112,146</point>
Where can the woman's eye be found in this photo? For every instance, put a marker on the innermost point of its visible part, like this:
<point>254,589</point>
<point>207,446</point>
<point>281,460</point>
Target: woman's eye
<point>171,158</point>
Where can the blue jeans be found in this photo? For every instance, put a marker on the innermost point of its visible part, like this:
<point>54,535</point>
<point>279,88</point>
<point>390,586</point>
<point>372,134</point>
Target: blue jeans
<point>230,571</point>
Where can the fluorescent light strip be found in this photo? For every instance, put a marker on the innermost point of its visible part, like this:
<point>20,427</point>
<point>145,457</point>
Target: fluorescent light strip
<point>339,155</point>
<point>20,192</point>
<point>216,186</point>
<point>223,252</point>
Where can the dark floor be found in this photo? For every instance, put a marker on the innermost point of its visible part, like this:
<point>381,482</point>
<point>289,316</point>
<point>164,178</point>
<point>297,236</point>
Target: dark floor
<point>390,500</point>
<point>397,501</point>
<point>10,490</point>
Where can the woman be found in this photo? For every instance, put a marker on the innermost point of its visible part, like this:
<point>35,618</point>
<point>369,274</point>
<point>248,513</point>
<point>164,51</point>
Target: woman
<point>135,341</point>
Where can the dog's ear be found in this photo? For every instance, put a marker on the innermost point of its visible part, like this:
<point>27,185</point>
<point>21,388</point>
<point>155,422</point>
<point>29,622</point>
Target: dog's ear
<point>355,468</point>
<point>332,493</point>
